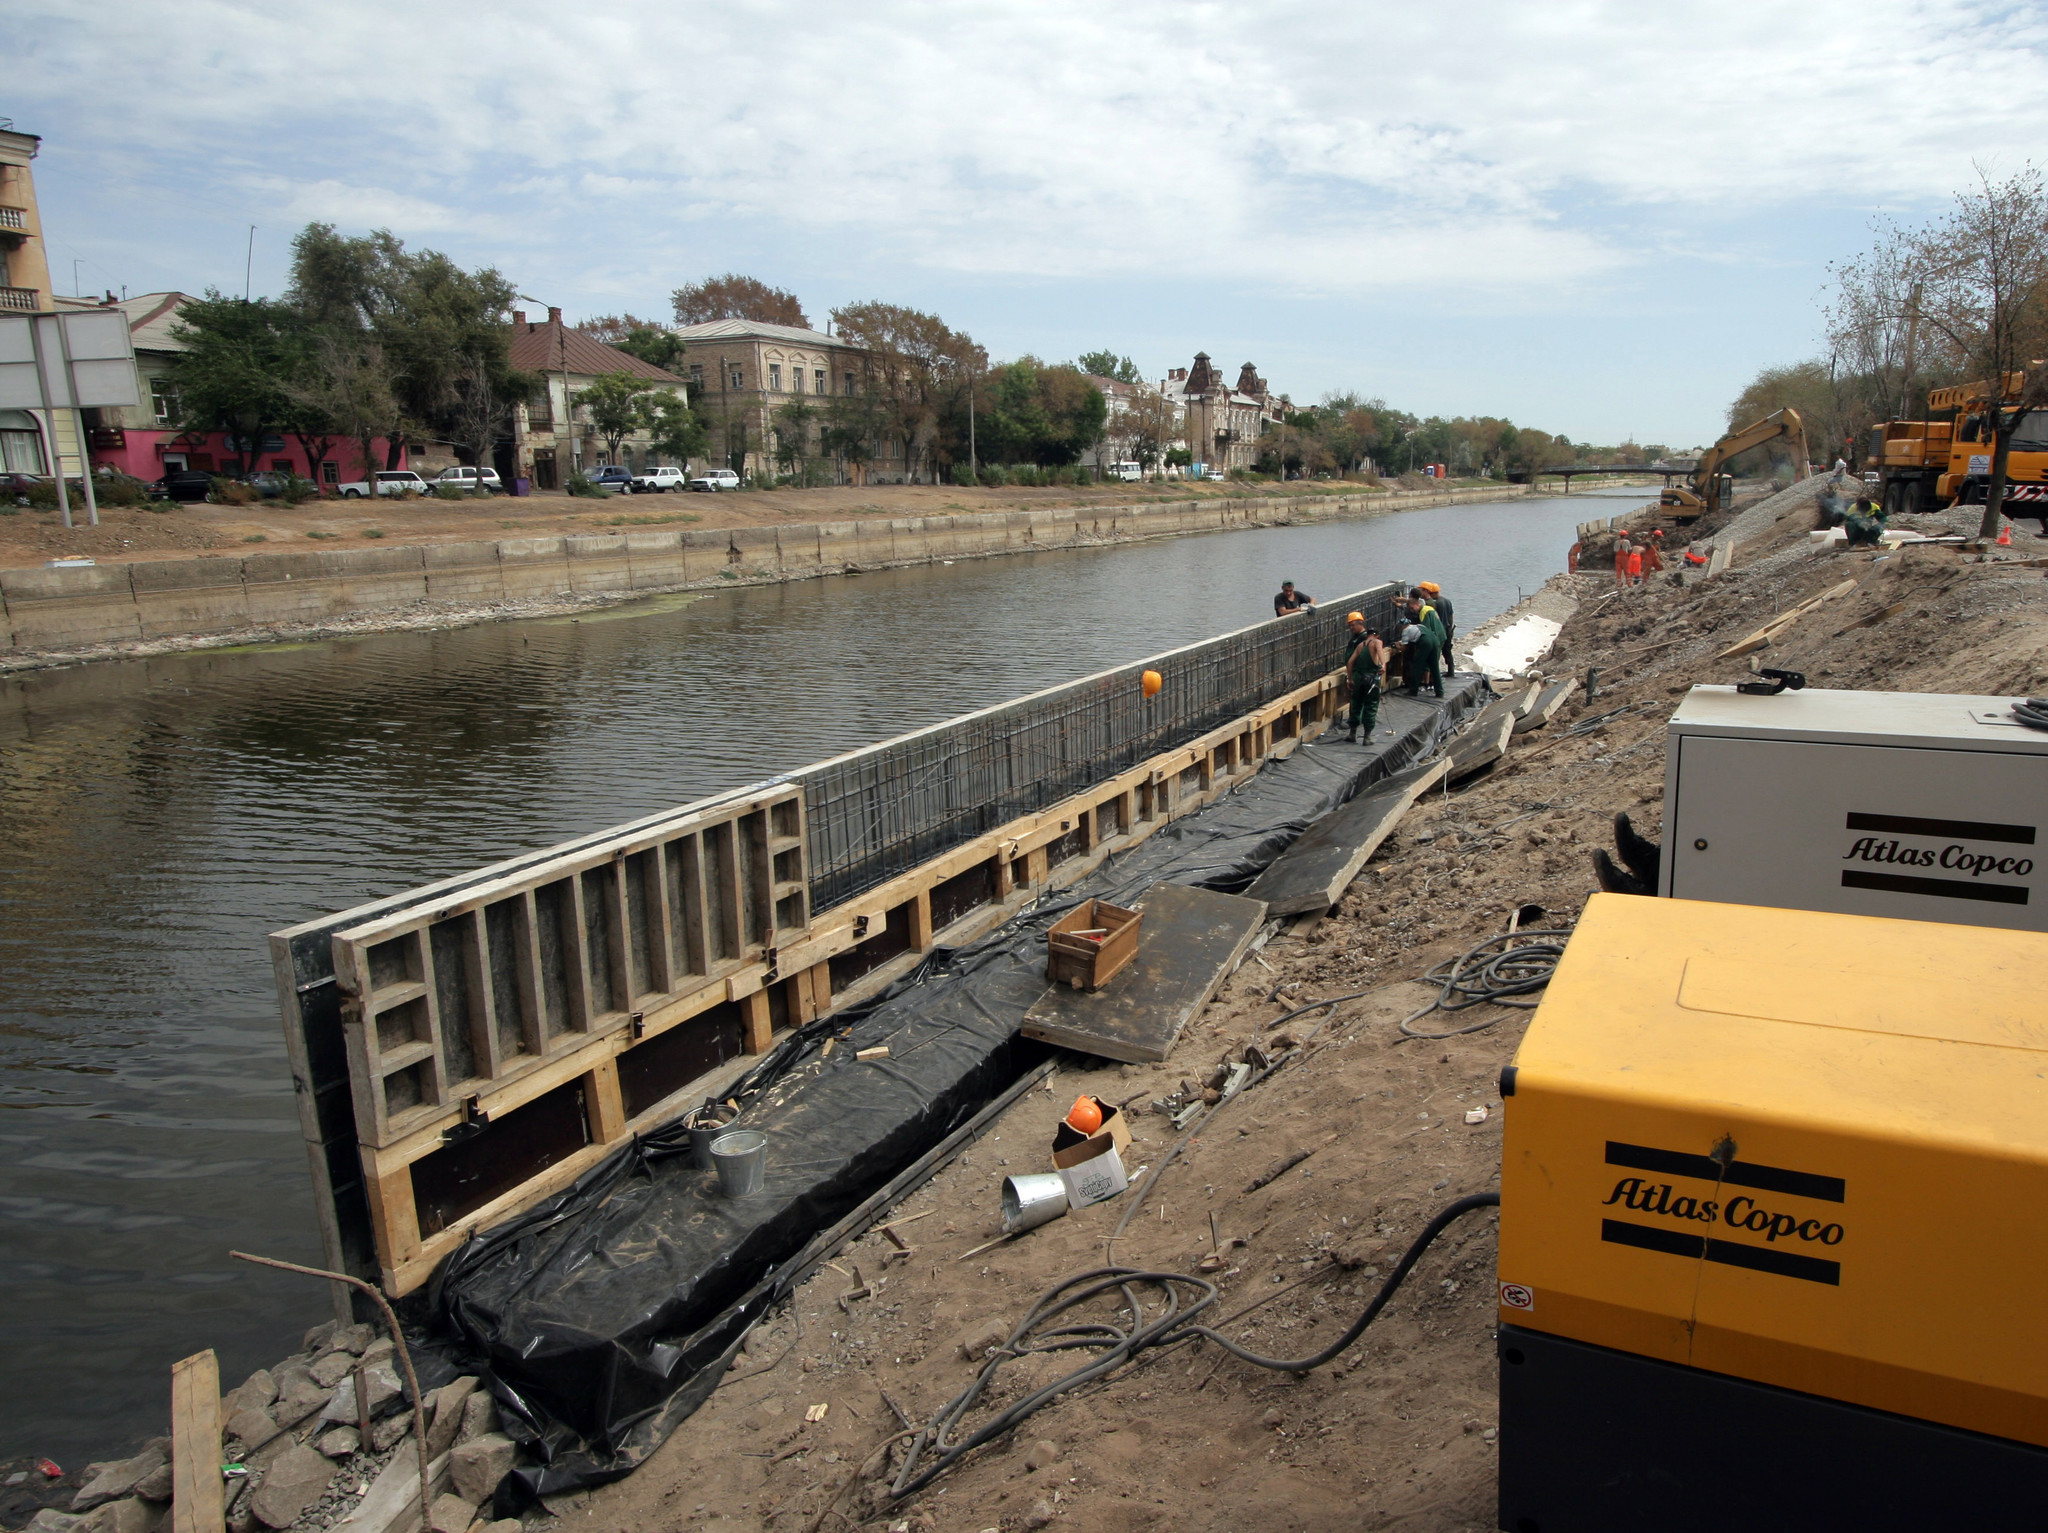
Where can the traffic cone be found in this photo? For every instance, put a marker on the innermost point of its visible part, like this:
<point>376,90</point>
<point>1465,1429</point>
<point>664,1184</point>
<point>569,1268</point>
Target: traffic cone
<point>2004,533</point>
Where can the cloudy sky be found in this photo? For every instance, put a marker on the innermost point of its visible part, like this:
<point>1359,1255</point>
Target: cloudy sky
<point>1600,219</point>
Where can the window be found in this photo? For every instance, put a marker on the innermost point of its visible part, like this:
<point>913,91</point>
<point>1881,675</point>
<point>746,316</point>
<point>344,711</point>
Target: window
<point>737,382</point>
<point>849,384</point>
<point>21,443</point>
<point>775,377</point>
<point>696,377</point>
<point>818,382</point>
<point>163,394</point>
<point>330,472</point>
<point>283,465</point>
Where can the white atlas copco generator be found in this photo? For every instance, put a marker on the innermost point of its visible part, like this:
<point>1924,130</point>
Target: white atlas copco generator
<point>1913,805</point>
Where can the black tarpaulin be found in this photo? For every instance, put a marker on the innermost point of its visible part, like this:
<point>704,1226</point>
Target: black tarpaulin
<point>603,1317</point>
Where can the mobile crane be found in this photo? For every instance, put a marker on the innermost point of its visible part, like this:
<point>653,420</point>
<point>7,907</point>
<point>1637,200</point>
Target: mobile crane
<point>1709,486</point>
<point>1933,464</point>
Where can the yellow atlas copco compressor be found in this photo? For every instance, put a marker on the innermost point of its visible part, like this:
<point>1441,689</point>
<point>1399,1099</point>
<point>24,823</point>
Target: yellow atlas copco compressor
<point>1774,1227</point>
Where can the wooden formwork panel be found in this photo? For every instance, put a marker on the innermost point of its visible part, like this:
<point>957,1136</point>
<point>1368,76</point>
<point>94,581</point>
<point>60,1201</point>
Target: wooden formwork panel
<point>447,1007</point>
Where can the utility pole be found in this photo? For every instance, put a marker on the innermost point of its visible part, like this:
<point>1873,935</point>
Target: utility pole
<point>248,265</point>
<point>973,467</point>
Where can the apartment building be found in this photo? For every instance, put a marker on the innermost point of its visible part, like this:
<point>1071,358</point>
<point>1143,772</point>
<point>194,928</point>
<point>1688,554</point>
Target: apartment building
<point>25,436</point>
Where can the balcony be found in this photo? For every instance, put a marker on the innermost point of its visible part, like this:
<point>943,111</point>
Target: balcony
<point>19,300</point>
<point>14,218</point>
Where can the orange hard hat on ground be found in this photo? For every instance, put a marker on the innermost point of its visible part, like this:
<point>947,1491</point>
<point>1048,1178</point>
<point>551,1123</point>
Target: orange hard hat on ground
<point>1084,1116</point>
<point>1152,681</point>
<point>1354,617</point>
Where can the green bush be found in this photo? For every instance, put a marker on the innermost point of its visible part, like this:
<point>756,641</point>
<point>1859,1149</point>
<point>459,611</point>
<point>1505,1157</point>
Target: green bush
<point>993,475</point>
<point>232,492</point>
<point>43,495</point>
<point>298,491</point>
<point>448,492</point>
<point>118,490</point>
<point>1025,474</point>
<point>962,475</point>
<point>580,484</point>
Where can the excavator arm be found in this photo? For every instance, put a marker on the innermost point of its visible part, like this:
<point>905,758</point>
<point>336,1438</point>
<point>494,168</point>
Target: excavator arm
<point>1700,495</point>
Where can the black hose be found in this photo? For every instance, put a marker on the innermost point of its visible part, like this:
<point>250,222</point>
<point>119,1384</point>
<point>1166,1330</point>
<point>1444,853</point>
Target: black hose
<point>1120,1345</point>
<point>2034,711</point>
<point>1498,980</point>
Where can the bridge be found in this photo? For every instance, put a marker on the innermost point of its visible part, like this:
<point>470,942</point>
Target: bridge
<point>1568,471</point>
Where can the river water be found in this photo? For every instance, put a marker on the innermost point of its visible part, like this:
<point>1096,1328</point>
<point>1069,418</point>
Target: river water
<point>159,817</point>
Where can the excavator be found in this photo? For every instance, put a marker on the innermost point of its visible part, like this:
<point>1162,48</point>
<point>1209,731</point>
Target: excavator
<point>1709,486</point>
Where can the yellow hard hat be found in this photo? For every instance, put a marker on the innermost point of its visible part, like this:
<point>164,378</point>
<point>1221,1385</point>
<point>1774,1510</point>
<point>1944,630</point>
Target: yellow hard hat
<point>1354,617</point>
<point>1430,586</point>
<point>1152,681</point>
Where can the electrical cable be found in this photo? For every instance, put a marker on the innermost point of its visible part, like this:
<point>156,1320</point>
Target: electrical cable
<point>1498,980</point>
<point>1120,1344</point>
<point>2033,712</point>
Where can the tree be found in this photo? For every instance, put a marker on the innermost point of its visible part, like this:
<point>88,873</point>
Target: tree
<point>343,380</point>
<point>919,371</point>
<point>1038,414</point>
<point>235,370</point>
<point>616,402</point>
<point>793,435</point>
<point>674,429</point>
<point>1983,272</point>
<point>733,296</point>
<point>1107,364</point>
<point>641,338</point>
<point>1144,427</point>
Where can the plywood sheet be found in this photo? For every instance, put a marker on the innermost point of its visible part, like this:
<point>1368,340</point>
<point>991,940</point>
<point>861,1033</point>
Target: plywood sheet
<point>1316,870</point>
<point>1484,743</point>
<point>1190,942</point>
<point>1548,701</point>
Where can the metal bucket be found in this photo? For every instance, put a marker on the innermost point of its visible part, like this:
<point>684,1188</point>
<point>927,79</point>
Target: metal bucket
<point>700,1144</point>
<point>741,1157</point>
<point>1029,1201</point>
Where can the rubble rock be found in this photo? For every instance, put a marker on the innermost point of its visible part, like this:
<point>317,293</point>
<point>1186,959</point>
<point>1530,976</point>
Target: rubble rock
<point>129,1515</point>
<point>479,1417</point>
<point>354,1338</point>
<point>339,1443</point>
<point>1042,1453</point>
<point>450,1514</point>
<point>388,1431</point>
<point>1040,1515</point>
<point>333,1368</point>
<point>445,1420</point>
<point>477,1467</point>
<point>320,1336</point>
<point>292,1484</point>
<point>251,1428</point>
<point>50,1520</point>
<point>157,1486</point>
<point>382,1384</point>
<point>254,1393</point>
<point>380,1351</point>
<point>975,1341</point>
<point>503,1525</point>
<point>111,1481</point>
<point>298,1397</point>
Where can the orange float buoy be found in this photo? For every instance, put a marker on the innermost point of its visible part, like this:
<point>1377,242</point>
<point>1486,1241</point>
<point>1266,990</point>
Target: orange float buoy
<point>1152,681</point>
<point>1084,1117</point>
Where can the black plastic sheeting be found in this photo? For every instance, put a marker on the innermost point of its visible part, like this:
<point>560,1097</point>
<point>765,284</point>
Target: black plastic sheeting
<point>603,1317</point>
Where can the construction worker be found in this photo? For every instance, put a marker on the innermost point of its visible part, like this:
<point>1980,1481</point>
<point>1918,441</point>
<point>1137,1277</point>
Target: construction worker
<point>1421,659</point>
<point>1421,613</point>
<point>1622,549</point>
<point>1653,552</point>
<point>1431,590</point>
<point>1635,566</point>
<point>1365,665</point>
<point>1864,524</point>
<point>1291,600</point>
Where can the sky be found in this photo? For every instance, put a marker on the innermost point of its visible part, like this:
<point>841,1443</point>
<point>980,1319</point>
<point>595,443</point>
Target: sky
<point>1599,219</point>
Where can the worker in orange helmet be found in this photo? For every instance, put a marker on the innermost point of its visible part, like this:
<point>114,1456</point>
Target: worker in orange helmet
<point>1444,615</point>
<point>1365,665</point>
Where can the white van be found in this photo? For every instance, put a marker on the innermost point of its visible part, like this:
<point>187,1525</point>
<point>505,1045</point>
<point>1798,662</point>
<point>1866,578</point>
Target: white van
<point>1127,471</point>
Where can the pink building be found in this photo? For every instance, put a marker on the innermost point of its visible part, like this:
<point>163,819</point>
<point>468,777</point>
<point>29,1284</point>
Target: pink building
<point>142,442</point>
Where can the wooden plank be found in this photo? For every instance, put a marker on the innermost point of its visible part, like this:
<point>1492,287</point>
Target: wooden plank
<point>1783,621</point>
<point>1548,702</point>
<point>921,920</point>
<point>394,1219</point>
<point>196,1498</point>
<point>757,1023</point>
<point>1191,941</point>
<point>607,1102</point>
<point>1314,872</point>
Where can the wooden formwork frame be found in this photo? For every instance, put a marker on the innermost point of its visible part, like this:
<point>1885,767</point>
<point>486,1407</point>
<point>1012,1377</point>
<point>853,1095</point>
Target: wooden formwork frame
<point>388,964</point>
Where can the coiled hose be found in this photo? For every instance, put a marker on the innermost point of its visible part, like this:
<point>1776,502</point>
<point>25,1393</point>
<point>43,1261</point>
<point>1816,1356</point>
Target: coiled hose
<point>1499,979</point>
<point>1183,1298</point>
<point>2033,712</point>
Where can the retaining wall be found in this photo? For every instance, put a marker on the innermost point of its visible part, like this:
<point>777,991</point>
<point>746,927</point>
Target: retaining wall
<point>71,608</point>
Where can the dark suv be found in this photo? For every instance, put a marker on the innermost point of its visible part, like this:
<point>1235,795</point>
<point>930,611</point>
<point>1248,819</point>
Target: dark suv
<point>614,478</point>
<point>184,484</point>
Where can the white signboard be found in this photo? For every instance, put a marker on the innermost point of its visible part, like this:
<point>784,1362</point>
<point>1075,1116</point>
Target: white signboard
<point>84,357</point>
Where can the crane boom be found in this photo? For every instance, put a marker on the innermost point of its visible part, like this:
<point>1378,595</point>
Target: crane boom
<point>1779,423</point>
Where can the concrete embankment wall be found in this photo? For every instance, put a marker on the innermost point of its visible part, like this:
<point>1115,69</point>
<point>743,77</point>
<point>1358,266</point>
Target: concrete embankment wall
<point>59,608</point>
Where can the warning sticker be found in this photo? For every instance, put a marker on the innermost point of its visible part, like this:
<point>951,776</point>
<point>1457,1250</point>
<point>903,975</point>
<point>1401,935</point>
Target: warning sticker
<point>1515,1296</point>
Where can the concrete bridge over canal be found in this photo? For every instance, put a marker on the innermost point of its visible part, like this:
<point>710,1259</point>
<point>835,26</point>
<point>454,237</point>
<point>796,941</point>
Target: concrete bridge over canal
<point>1667,471</point>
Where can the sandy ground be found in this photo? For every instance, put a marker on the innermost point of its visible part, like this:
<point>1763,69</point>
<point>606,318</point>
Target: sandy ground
<point>1399,1431</point>
<point>165,530</point>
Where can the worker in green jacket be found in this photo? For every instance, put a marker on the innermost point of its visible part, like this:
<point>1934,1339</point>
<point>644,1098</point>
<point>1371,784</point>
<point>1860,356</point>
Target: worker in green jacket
<point>1433,594</point>
<point>1365,665</point>
<point>1421,660</point>
<point>1421,613</point>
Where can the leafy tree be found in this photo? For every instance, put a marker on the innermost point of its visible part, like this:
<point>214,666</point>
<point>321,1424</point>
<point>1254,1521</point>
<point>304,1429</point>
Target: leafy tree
<point>1038,414</point>
<point>733,296</point>
<point>1141,430</point>
<point>641,338</point>
<point>918,370</point>
<point>793,435</point>
<point>1107,364</point>
<point>674,429</point>
<point>234,373</point>
<point>617,406</point>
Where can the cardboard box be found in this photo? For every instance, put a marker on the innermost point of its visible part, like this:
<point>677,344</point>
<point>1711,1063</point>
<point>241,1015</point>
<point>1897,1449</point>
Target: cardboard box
<point>1092,1165</point>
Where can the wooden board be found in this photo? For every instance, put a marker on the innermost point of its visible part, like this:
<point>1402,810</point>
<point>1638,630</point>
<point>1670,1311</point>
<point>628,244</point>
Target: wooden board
<point>196,1498</point>
<point>1548,702</point>
<point>1783,621</point>
<point>1191,941</point>
<point>1483,744</point>
<point>1314,872</point>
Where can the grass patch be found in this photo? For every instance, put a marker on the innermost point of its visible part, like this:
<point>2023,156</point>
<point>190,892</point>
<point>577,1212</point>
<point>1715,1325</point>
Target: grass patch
<point>373,532</point>
<point>323,535</point>
<point>646,521</point>
<point>256,537</point>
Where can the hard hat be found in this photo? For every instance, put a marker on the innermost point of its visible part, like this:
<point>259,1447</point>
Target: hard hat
<point>1354,617</point>
<point>1410,634</point>
<point>1430,586</point>
<point>1152,681</point>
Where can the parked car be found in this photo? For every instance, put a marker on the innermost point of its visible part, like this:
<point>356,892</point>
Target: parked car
<point>469,479</point>
<point>1216,478</point>
<point>184,484</point>
<point>667,477</point>
<point>1127,471</point>
<point>17,486</point>
<point>715,479</point>
<point>390,481</point>
<point>269,483</point>
<point>612,477</point>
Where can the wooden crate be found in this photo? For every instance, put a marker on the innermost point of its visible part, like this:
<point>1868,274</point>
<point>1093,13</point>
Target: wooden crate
<point>1082,962</point>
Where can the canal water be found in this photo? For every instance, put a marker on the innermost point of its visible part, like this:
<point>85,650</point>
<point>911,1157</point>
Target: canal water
<point>159,817</point>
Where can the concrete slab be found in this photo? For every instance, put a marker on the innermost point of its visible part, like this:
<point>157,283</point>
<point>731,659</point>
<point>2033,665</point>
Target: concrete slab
<point>60,608</point>
<point>598,562</point>
<point>1546,706</point>
<point>463,572</point>
<point>533,567</point>
<point>657,559</point>
<point>1314,872</point>
<point>174,596</point>
<point>1190,942</point>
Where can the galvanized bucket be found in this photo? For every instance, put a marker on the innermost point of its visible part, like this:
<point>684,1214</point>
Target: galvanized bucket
<point>742,1161</point>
